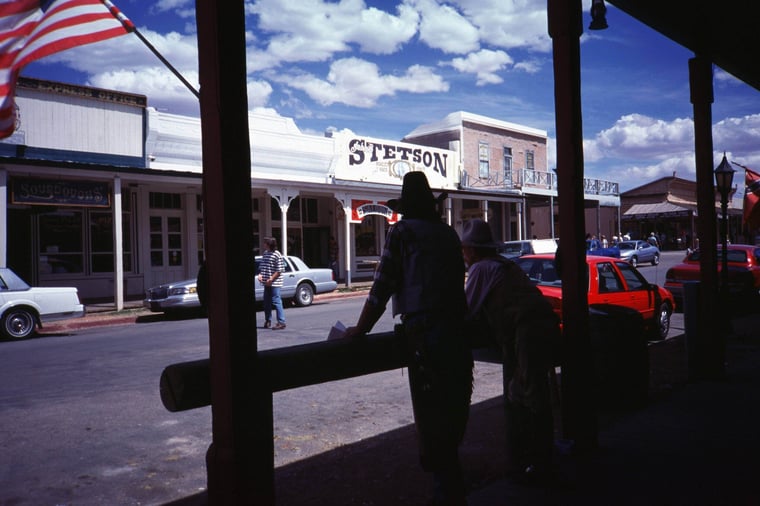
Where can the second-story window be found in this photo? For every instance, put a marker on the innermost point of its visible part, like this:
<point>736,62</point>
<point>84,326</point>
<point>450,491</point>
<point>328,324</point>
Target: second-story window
<point>529,160</point>
<point>507,164</point>
<point>483,169</point>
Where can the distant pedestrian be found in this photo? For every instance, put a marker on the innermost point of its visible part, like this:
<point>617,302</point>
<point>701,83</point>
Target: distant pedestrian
<point>422,268</point>
<point>505,306</point>
<point>272,266</point>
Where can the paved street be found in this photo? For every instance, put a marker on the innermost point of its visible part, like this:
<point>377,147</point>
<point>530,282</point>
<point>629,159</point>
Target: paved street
<point>83,423</point>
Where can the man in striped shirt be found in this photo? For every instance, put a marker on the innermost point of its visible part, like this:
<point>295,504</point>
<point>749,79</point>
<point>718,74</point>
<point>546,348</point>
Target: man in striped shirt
<point>272,265</point>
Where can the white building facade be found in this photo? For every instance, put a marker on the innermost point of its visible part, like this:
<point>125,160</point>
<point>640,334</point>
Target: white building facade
<point>102,192</point>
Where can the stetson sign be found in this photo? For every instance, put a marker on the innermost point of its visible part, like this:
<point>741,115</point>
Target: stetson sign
<point>60,193</point>
<point>381,161</point>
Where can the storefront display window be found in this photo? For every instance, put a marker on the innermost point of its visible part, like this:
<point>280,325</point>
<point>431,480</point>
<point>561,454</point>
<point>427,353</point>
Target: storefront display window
<point>101,242</point>
<point>61,244</point>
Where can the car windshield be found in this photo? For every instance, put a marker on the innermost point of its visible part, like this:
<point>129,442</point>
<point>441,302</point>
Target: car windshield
<point>514,247</point>
<point>734,255</point>
<point>9,280</point>
<point>626,246</point>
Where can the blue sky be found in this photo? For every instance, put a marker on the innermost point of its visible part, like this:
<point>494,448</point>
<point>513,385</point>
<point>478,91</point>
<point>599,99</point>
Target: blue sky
<point>382,68</point>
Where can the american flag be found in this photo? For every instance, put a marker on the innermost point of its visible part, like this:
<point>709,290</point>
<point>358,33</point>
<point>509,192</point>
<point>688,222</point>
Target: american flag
<point>33,29</point>
<point>751,198</point>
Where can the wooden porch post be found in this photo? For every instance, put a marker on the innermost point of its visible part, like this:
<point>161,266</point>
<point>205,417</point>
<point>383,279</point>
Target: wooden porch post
<point>578,412</point>
<point>240,460</point>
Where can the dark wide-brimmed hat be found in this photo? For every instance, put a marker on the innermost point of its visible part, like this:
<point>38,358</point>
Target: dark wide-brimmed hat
<point>477,234</point>
<point>416,196</point>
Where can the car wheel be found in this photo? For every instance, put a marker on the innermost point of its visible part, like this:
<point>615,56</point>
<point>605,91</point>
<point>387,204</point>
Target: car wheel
<point>656,259</point>
<point>304,295</point>
<point>634,261</point>
<point>661,325</point>
<point>18,323</point>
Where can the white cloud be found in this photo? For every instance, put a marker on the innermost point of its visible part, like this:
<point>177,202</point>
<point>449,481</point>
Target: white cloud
<point>359,83</point>
<point>509,25</point>
<point>638,148</point>
<point>639,137</point>
<point>442,27</point>
<point>529,66</point>
<point>741,136</point>
<point>485,64</point>
<point>258,93</point>
<point>313,30</point>
<point>129,52</point>
<point>173,5</point>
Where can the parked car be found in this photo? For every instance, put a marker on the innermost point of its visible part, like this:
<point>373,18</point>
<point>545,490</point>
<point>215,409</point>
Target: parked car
<point>513,249</point>
<point>300,284</point>
<point>611,281</point>
<point>636,252</point>
<point>743,270</point>
<point>23,308</point>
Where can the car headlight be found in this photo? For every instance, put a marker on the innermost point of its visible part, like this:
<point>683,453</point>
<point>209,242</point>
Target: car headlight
<point>183,290</point>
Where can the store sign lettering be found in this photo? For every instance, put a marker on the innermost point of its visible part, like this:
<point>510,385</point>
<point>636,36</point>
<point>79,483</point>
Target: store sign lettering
<point>362,208</point>
<point>378,209</point>
<point>361,151</point>
<point>62,193</point>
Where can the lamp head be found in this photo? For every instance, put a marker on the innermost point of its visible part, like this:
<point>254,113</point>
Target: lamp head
<point>724,177</point>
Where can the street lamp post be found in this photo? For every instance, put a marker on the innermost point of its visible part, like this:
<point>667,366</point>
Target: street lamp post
<point>724,177</point>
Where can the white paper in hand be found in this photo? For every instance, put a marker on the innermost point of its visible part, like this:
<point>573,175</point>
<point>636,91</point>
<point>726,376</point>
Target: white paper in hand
<point>337,331</point>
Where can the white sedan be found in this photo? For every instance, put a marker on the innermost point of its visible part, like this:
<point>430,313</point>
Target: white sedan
<point>300,284</point>
<point>23,307</point>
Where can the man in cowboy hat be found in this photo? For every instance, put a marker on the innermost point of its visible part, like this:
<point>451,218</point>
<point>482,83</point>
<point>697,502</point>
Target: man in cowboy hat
<point>422,269</point>
<point>507,307</point>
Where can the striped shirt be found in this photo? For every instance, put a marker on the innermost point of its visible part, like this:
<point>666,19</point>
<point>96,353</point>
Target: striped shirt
<point>271,262</point>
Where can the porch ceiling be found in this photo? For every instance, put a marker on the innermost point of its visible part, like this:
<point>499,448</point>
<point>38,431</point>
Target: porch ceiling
<point>724,32</point>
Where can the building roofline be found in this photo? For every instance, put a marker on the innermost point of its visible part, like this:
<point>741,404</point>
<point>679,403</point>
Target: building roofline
<point>76,90</point>
<point>454,121</point>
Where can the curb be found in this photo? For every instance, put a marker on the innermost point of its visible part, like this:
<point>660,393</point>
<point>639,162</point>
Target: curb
<point>130,315</point>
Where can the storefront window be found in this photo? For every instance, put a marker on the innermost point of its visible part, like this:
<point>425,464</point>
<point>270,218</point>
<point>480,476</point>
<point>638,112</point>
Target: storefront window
<point>101,242</point>
<point>61,245</point>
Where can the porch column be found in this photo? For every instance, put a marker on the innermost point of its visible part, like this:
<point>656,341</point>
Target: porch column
<point>345,202</point>
<point>711,359</point>
<point>3,218</point>
<point>239,462</point>
<point>118,247</point>
<point>284,198</point>
<point>578,411</point>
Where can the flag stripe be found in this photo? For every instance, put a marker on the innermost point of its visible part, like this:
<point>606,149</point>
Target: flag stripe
<point>12,7</point>
<point>30,30</point>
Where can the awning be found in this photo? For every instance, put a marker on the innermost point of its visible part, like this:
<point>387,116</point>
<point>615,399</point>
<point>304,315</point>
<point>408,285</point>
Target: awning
<point>658,210</point>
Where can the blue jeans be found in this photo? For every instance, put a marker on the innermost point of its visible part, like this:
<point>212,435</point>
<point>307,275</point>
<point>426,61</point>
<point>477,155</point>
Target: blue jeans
<point>272,298</point>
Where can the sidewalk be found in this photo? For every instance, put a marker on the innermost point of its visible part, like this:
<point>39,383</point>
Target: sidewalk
<point>695,443</point>
<point>105,314</point>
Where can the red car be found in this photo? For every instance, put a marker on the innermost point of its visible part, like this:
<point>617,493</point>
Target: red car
<point>611,281</point>
<point>743,270</point>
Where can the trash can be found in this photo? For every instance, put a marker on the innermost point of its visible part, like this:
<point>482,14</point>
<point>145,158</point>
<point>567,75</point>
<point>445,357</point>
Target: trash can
<point>621,356</point>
